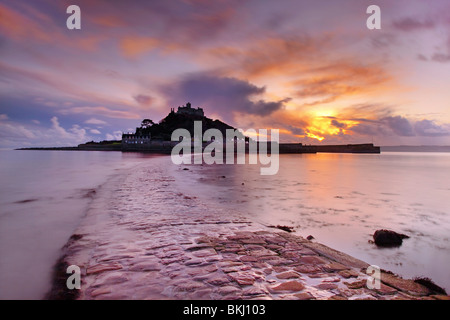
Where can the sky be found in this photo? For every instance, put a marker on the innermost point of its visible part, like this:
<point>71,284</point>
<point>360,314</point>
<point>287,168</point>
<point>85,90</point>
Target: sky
<point>311,69</point>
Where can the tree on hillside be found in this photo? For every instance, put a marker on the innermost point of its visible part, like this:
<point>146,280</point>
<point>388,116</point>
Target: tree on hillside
<point>147,123</point>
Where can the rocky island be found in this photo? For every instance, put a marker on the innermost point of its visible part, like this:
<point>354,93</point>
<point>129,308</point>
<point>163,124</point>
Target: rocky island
<point>156,137</point>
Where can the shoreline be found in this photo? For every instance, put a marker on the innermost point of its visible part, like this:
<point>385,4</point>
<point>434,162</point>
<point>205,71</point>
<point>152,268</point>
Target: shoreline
<point>165,147</point>
<point>186,250</point>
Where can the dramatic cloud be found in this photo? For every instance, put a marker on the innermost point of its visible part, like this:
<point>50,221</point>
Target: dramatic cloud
<point>338,124</point>
<point>296,130</point>
<point>222,95</point>
<point>429,128</point>
<point>399,125</point>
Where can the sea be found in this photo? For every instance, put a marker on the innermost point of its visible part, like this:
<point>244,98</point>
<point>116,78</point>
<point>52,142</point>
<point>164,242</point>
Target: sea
<point>338,199</point>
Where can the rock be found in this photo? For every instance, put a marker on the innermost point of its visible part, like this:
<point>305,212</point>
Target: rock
<point>188,285</point>
<point>193,262</point>
<point>291,255</point>
<point>254,291</point>
<point>242,278</point>
<point>308,269</point>
<point>103,267</point>
<point>146,266</point>
<point>248,259</point>
<point>285,228</point>
<point>385,290</point>
<point>218,280</point>
<point>289,286</point>
<point>388,238</point>
<point>100,291</point>
<point>254,240</point>
<point>204,253</point>
<point>348,274</point>
<point>304,296</point>
<point>310,237</point>
<point>225,290</point>
<point>279,269</point>
<point>404,285</point>
<point>288,275</point>
<point>428,283</point>
<point>263,253</point>
<point>334,266</point>
<point>115,257</point>
<point>356,284</point>
<point>337,297</point>
<point>440,297</point>
<point>326,286</point>
<point>306,252</point>
<point>312,260</point>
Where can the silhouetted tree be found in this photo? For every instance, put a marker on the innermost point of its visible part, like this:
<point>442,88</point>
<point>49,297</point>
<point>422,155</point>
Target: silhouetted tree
<point>146,123</point>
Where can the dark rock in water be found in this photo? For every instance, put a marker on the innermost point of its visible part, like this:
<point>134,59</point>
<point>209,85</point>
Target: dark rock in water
<point>185,169</point>
<point>388,238</point>
<point>310,237</point>
<point>284,228</point>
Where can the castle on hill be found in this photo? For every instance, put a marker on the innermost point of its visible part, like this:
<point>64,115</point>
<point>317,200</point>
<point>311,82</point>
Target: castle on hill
<point>188,110</point>
<point>144,139</point>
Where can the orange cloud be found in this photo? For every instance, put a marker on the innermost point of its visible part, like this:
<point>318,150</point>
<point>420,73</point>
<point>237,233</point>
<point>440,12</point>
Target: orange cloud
<point>41,28</point>
<point>135,46</point>
<point>339,80</point>
<point>109,21</point>
<point>17,26</point>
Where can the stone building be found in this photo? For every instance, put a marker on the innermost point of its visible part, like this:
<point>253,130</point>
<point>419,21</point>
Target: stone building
<point>131,138</point>
<point>188,110</point>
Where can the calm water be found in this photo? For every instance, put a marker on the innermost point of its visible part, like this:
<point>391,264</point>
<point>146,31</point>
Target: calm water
<point>340,199</point>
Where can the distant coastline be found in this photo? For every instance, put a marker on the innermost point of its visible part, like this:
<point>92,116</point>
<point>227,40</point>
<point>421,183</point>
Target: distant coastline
<point>166,148</point>
<point>415,148</point>
<point>116,146</point>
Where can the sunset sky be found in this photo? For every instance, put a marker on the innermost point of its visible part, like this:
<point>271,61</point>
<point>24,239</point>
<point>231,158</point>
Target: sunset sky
<point>311,69</point>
